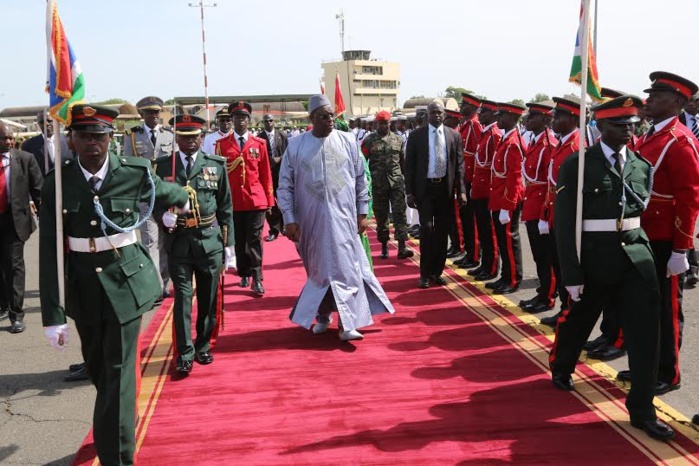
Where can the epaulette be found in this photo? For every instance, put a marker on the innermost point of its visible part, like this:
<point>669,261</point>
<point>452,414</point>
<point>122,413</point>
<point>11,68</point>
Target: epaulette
<point>258,139</point>
<point>163,159</point>
<point>135,129</point>
<point>165,128</point>
<point>216,158</point>
<point>135,162</point>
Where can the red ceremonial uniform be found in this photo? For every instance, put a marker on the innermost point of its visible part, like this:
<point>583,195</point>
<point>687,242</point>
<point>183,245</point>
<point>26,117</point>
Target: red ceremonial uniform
<point>487,145</point>
<point>535,173</point>
<point>560,153</point>
<point>674,203</point>
<point>471,131</point>
<point>249,173</point>
<point>506,190</point>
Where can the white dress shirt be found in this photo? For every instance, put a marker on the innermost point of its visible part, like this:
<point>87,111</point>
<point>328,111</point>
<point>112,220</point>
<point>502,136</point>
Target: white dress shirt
<point>183,158</point>
<point>6,167</point>
<point>209,144</point>
<point>238,136</point>
<point>609,154</point>
<point>432,166</point>
<point>48,142</point>
<point>101,173</point>
<point>149,131</point>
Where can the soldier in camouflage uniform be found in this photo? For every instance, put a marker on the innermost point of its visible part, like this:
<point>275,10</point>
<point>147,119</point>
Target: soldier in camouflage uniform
<point>385,152</point>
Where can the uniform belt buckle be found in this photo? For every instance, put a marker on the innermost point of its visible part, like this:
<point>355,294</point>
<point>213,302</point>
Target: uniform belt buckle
<point>92,245</point>
<point>619,223</point>
<point>436,180</point>
<point>190,222</point>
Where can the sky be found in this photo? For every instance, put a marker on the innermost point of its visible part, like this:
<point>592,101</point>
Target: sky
<point>503,49</point>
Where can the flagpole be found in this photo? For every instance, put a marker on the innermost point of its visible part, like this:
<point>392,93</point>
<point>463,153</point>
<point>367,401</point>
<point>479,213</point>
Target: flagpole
<point>584,52</point>
<point>58,168</point>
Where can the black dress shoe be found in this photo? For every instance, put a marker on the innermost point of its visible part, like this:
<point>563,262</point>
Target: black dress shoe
<point>76,367</point>
<point>167,293</point>
<point>493,285</point>
<point>244,282</point>
<point>4,314</point>
<point>655,428</point>
<point>271,238</point>
<point>158,301</point>
<point>184,367</point>
<point>17,327</point>
<point>469,264</point>
<point>538,306</point>
<point>563,382</point>
<point>662,388</point>
<point>204,358</point>
<point>695,419</point>
<point>423,282</point>
<point>506,289</point>
<point>384,251</point>
<point>624,376</point>
<point>525,302</point>
<point>551,321</point>
<point>475,272</point>
<point>437,279</point>
<point>257,287</point>
<point>596,343</point>
<point>404,253</point>
<point>484,277</point>
<point>77,376</point>
<point>452,253</point>
<point>607,352</point>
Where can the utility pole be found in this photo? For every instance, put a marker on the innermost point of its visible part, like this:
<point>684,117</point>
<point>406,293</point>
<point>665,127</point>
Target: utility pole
<point>201,6</point>
<point>341,19</point>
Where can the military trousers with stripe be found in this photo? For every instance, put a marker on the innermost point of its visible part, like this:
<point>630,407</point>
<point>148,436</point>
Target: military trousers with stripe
<point>510,246</point>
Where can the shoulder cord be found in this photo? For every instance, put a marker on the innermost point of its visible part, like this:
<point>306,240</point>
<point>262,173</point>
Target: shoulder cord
<point>105,222</point>
<point>534,180</point>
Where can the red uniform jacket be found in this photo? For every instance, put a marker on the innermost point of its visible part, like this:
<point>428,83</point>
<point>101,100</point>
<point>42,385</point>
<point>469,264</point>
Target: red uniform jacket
<point>471,131</point>
<point>248,172</point>
<point>506,188</point>
<point>487,145</point>
<point>559,154</point>
<point>535,172</point>
<point>674,202</point>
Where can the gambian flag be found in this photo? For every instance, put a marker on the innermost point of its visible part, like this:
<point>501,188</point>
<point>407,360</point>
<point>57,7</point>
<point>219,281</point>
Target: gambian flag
<point>65,82</point>
<point>339,101</point>
<point>594,90</point>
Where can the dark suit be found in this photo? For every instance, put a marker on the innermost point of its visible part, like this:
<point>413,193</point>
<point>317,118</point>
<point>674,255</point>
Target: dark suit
<point>35,145</point>
<point>16,225</point>
<point>434,200</point>
<point>274,218</point>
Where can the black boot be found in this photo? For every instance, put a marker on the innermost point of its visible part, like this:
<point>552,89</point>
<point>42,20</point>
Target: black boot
<point>384,251</point>
<point>403,252</point>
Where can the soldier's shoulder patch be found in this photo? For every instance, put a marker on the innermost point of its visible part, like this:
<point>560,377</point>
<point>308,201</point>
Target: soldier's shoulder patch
<point>166,128</point>
<point>215,158</point>
<point>134,129</point>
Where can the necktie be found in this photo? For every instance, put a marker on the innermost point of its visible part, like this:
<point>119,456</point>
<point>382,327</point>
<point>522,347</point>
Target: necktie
<point>271,144</point>
<point>241,139</point>
<point>188,168</point>
<point>3,188</point>
<point>617,163</point>
<point>440,166</point>
<point>152,137</point>
<point>695,130</point>
<point>650,131</point>
<point>93,183</point>
<point>49,149</point>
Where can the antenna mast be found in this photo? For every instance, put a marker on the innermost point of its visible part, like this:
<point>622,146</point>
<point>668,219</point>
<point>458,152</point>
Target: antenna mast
<point>341,19</point>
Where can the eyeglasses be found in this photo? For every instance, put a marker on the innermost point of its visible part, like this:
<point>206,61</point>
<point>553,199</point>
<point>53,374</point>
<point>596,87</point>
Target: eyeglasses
<point>325,116</point>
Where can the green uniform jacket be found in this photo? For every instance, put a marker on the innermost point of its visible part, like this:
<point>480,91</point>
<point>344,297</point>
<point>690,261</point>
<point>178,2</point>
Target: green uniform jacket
<point>129,278</point>
<point>386,158</point>
<point>603,253</point>
<point>209,179</point>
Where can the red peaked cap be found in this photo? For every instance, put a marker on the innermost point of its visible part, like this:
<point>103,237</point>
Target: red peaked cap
<point>538,107</point>
<point>383,115</point>
<point>515,109</point>
<point>452,113</point>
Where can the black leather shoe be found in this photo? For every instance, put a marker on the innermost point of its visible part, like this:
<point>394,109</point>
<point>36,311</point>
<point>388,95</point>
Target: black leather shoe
<point>158,301</point>
<point>17,327</point>
<point>624,376</point>
<point>384,251</point>
<point>204,358</point>
<point>452,253</point>
<point>655,428</point>
<point>184,367</point>
<point>257,287</point>
<point>76,367</point>
<point>563,382</point>
<point>77,376</point>
<point>468,264</point>
<point>475,272</point>
<point>271,238</point>
<point>423,282</point>
<point>167,293</point>
<point>493,285</point>
<point>525,302</point>
<point>506,289</point>
<point>244,282</point>
<point>606,352</point>
<point>596,343</point>
<point>552,320</point>
<point>695,419</point>
<point>484,277</point>
<point>438,280</point>
<point>538,306</point>
<point>4,314</point>
<point>662,388</point>
<point>415,235</point>
<point>404,253</point>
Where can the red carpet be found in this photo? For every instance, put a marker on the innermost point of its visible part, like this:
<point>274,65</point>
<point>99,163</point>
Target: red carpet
<point>451,378</point>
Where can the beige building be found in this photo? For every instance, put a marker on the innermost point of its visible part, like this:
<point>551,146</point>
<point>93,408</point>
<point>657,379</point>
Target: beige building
<point>368,85</point>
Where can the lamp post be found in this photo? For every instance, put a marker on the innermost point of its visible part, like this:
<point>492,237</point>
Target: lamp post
<point>201,6</point>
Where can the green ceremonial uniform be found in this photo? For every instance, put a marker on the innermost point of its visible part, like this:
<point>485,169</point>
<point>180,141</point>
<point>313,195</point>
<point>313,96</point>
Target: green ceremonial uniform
<point>386,156</point>
<point>198,249</point>
<point>106,291</point>
<point>616,267</point>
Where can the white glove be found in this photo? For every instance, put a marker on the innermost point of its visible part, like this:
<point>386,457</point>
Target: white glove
<point>575,292</point>
<point>543,227</point>
<point>58,335</point>
<point>230,257</point>
<point>169,220</point>
<point>677,264</point>
<point>504,217</point>
<point>183,210</point>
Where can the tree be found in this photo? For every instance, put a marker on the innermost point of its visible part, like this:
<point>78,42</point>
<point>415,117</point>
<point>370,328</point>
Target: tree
<point>455,93</point>
<point>417,97</point>
<point>112,101</point>
<point>517,101</point>
<point>540,97</point>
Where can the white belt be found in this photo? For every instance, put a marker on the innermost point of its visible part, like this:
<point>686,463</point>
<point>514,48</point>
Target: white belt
<point>612,224</point>
<point>102,244</point>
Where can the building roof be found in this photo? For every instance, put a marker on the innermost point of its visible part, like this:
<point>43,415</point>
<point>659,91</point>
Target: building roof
<point>253,99</point>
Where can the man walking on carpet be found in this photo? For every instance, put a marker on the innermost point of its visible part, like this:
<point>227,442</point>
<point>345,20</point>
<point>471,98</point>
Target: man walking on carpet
<point>322,190</point>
